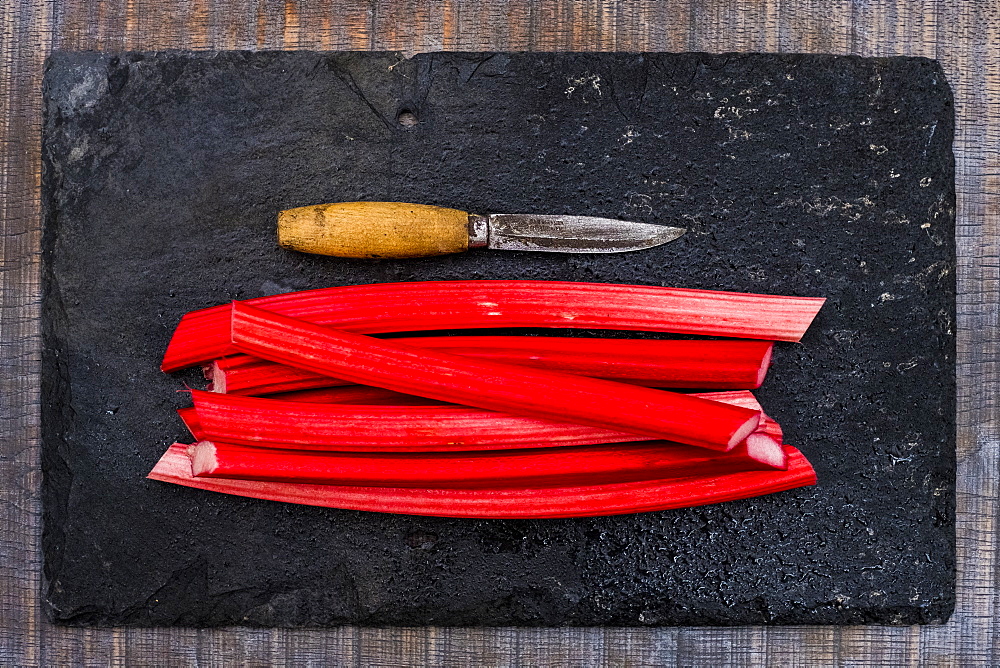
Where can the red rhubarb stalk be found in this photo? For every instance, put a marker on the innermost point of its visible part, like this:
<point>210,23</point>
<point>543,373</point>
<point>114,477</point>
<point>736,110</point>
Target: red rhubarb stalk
<point>411,428</point>
<point>548,467</point>
<point>203,335</point>
<point>659,363</point>
<point>491,385</point>
<point>506,503</point>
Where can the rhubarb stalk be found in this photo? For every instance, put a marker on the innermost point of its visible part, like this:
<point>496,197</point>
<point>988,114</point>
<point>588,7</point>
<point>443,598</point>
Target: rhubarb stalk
<point>203,335</point>
<point>562,467</point>
<point>506,503</point>
<point>719,365</point>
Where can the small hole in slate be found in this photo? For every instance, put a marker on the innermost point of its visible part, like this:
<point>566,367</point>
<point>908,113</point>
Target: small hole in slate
<point>422,540</point>
<point>407,118</point>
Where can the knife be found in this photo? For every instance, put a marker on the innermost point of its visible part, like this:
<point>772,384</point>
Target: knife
<point>400,230</point>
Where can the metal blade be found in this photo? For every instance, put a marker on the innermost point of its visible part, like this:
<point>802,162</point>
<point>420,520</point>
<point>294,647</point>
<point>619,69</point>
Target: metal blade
<point>574,234</point>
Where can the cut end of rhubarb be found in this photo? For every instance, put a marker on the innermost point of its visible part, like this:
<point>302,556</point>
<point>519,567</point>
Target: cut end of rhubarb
<point>744,431</point>
<point>766,450</point>
<point>203,459</point>
<point>216,377</point>
<point>765,364</point>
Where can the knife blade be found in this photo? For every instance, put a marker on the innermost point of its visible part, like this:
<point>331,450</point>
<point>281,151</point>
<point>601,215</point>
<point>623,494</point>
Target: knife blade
<point>401,230</point>
<point>573,234</point>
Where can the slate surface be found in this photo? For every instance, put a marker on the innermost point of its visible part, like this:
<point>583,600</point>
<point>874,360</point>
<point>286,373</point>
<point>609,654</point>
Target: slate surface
<point>809,175</point>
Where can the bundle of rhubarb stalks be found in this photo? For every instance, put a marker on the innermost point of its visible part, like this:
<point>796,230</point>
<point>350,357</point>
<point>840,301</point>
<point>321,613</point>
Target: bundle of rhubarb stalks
<point>305,406</point>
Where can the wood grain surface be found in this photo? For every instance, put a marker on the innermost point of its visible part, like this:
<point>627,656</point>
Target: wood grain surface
<point>963,34</point>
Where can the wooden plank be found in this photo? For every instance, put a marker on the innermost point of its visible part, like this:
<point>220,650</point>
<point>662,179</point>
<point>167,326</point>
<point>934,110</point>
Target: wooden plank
<point>959,35</point>
<point>24,40</point>
<point>964,35</point>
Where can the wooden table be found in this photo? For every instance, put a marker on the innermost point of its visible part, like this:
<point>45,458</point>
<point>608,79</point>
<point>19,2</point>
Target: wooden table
<point>963,34</point>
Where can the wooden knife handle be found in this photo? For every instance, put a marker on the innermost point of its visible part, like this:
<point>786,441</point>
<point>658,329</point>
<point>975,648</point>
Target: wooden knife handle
<point>374,230</point>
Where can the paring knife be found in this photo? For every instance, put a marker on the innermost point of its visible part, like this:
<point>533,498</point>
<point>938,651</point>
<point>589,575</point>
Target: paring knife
<point>399,230</point>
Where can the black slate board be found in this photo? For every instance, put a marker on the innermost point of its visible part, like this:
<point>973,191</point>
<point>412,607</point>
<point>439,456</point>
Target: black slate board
<point>808,175</point>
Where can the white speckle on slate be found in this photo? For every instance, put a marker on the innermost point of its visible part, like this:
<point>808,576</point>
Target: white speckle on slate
<point>584,84</point>
<point>639,201</point>
<point>738,112</point>
<point>630,134</point>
